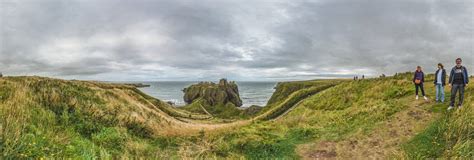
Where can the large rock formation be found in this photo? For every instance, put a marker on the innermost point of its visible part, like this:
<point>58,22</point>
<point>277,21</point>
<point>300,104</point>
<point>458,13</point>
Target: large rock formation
<point>213,94</point>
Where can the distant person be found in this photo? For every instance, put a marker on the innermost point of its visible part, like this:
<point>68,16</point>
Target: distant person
<point>363,76</point>
<point>440,82</point>
<point>419,79</point>
<point>458,80</point>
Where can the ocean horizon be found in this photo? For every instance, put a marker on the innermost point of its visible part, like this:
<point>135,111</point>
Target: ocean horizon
<point>251,92</point>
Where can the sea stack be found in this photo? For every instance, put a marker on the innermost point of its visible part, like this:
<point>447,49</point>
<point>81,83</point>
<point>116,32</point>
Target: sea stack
<point>213,94</point>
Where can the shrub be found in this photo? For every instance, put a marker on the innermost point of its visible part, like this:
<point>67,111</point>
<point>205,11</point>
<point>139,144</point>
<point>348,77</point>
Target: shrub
<point>139,129</point>
<point>395,92</point>
<point>109,138</point>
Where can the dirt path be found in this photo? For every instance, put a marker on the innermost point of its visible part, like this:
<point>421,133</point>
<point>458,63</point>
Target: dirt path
<point>382,143</point>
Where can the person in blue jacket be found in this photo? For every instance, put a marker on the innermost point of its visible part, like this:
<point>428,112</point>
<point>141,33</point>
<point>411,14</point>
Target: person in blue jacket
<point>440,82</point>
<point>458,80</point>
<point>419,79</point>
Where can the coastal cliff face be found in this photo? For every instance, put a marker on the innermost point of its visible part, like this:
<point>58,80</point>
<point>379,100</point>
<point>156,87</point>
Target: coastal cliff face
<point>213,94</point>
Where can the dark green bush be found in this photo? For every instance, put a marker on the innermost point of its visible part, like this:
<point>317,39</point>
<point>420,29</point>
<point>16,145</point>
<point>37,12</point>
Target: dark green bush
<point>110,138</point>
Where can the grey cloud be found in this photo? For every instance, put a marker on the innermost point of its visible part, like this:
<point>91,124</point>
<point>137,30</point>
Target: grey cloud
<point>244,40</point>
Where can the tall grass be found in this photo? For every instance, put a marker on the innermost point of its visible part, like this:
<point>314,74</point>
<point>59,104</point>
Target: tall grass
<point>43,117</point>
<point>451,136</point>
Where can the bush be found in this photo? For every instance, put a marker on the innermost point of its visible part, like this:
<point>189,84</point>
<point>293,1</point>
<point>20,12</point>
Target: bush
<point>395,92</point>
<point>35,146</point>
<point>139,129</point>
<point>110,138</point>
<point>302,134</point>
<point>5,92</point>
<point>84,149</point>
<point>267,148</point>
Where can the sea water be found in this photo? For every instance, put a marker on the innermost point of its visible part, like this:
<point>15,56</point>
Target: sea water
<point>251,93</point>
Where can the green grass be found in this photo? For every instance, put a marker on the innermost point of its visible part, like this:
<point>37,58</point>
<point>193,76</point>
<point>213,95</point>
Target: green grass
<point>222,111</point>
<point>339,113</point>
<point>427,144</point>
<point>292,100</point>
<point>331,114</point>
<point>42,117</point>
<point>450,136</point>
<point>285,89</point>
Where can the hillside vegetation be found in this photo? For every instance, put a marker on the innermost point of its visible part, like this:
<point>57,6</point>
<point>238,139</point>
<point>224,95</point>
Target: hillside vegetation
<point>43,117</point>
<point>373,118</point>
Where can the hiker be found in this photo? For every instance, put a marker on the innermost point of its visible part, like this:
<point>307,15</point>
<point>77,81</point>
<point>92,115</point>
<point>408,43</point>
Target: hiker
<point>419,79</point>
<point>440,82</point>
<point>363,76</point>
<point>458,80</point>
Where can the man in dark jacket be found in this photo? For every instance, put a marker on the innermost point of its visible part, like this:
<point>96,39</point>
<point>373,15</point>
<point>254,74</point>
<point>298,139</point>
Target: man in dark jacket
<point>440,82</point>
<point>458,80</point>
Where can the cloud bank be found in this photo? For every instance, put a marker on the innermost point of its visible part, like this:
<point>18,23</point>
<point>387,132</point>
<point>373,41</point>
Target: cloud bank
<point>241,40</point>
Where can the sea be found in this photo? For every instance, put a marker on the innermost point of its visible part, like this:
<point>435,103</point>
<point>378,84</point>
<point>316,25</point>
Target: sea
<point>251,93</point>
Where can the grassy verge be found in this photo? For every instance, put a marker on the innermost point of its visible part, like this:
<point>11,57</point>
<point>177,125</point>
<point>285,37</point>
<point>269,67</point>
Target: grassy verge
<point>43,117</point>
<point>451,136</point>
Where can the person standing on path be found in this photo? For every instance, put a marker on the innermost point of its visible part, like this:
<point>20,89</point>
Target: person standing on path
<point>440,82</point>
<point>419,79</point>
<point>458,80</point>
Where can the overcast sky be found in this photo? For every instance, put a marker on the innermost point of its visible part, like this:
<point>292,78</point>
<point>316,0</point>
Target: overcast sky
<point>263,40</point>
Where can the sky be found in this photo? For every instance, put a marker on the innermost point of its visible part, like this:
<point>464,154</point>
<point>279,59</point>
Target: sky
<point>243,40</point>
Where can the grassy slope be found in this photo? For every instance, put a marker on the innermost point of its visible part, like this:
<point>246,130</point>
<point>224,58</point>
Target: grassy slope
<point>338,116</point>
<point>285,89</point>
<point>94,120</point>
<point>43,117</point>
<point>451,135</point>
<point>333,114</point>
<point>50,117</point>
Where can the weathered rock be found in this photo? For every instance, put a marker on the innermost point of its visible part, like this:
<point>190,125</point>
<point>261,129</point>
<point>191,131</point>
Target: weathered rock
<point>214,94</point>
<point>252,110</point>
<point>171,103</point>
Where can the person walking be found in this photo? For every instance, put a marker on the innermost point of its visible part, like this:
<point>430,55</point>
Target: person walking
<point>440,82</point>
<point>419,79</point>
<point>458,80</point>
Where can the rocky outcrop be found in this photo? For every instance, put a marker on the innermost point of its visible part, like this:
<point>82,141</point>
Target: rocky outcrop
<point>138,85</point>
<point>213,94</point>
<point>252,110</point>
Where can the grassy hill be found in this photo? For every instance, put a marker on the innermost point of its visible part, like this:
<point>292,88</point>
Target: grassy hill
<point>43,117</point>
<point>375,118</point>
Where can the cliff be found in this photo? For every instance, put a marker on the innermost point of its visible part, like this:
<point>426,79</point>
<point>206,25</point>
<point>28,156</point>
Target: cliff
<point>213,94</point>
